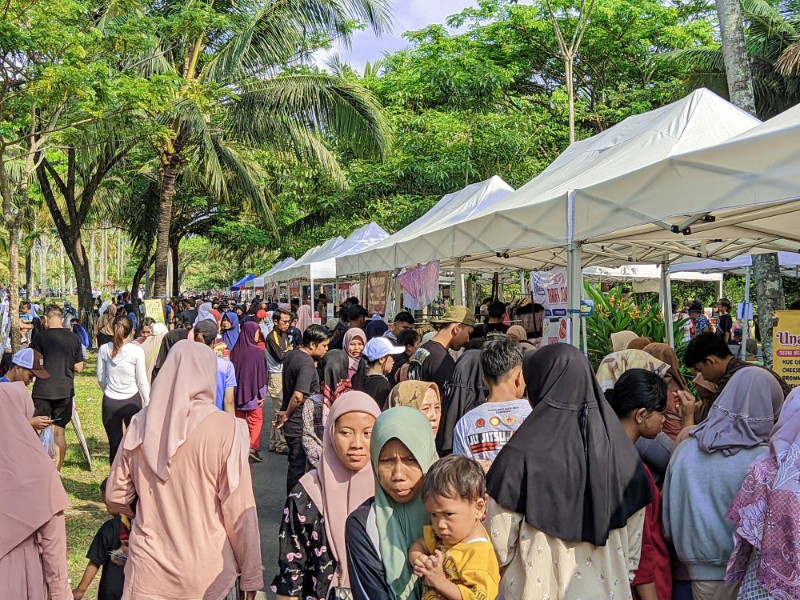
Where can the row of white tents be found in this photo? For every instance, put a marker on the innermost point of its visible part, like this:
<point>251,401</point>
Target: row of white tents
<point>697,179</point>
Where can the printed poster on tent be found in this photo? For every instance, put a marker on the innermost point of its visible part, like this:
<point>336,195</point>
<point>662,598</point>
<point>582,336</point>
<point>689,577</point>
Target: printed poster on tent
<point>377,292</point>
<point>549,289</point>
<point>786,346</point>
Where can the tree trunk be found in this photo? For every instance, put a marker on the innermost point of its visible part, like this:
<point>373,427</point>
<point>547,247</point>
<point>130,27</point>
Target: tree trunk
<point>770,297</point>
<point>734,53</point>
<point>176,279</point>
<point>766,269</point>
<point>83,279</point>
<point>169,173</point>
<point>141,269</point>
<point>13,275</point>
<point>28,270</point>
<point>568,71</point>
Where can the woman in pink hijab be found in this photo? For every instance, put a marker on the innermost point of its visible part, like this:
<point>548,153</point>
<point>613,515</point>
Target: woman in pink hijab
<point>33,537</point>
<point>195,533</point>
<point>353,344</point>
<point>304,316</point>
<point>313,555</point>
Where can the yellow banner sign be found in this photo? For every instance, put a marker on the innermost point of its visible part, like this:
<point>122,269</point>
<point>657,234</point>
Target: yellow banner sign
<point>155,308</point>
<point>786,346</point>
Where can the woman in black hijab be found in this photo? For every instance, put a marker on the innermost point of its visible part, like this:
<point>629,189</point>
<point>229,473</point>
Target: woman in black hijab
<point>568,492</point>
<point>172,338</point>
<point>464,392</point>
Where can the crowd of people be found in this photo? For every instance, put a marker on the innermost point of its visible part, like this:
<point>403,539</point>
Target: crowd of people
<point>467,462</point>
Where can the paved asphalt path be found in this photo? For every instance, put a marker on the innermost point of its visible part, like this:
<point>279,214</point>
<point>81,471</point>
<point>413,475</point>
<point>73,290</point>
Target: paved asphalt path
<point>269,485</point>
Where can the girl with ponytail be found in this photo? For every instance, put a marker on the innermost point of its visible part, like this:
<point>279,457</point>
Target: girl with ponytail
<point>122,374</point>
<point>639,399</point>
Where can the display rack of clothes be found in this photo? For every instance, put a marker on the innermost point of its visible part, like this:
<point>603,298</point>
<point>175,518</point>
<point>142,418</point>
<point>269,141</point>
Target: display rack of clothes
<point>529,314</point>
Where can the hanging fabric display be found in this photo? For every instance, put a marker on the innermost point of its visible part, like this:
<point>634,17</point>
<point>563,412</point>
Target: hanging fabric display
<point>420,285</point>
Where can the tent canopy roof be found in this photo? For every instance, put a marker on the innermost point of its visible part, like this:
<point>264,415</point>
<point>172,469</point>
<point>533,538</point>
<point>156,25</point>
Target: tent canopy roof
<point>534,225</point>
<point>323,264</point>
<point>240,284</point>
<point>425,239</point>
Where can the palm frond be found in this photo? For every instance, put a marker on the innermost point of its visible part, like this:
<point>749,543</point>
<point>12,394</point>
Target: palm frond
<point>332,106</point>
<point>276,33</point>
<point>789,62</point>
<point>242,172</point>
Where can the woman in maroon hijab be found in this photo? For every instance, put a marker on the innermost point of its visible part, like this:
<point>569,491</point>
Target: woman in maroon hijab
<point>250,363</point>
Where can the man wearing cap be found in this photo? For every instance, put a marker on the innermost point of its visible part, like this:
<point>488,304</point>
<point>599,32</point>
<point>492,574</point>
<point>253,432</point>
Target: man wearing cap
<point>379,356</point>
<point>25,365</point>
<point>432,362</point>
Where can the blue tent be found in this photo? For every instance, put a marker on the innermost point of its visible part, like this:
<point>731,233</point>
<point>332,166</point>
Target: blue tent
<point>240,284</point>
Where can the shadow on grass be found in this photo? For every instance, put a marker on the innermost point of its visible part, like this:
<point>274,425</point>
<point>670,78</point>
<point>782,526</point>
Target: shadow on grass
<point>83,490</point>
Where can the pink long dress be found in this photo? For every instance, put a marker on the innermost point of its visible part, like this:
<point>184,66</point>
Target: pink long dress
<point>186,543</point>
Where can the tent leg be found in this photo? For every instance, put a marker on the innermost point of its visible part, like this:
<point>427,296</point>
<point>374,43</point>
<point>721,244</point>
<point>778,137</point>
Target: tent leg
<point>459,283</point>
<point>574,292</point>
<point>311,296</point>
<point>666,304</point>
<point>746,311</point>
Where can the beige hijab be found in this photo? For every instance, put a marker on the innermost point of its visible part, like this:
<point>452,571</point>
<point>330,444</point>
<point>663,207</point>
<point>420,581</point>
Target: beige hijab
<point>183,395</point>
<point>31,492</point>
<point>151,347</point>
<point>411,393</point>
<point>621,339</point>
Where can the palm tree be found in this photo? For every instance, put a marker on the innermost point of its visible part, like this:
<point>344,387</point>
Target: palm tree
<point>772,35</point>
<point>230,60</point>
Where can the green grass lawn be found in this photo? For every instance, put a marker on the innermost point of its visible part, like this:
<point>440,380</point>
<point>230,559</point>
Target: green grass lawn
<point>87,512</point>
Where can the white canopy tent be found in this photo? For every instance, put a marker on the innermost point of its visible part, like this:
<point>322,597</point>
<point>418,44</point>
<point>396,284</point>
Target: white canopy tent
<point>426,239</point>
<point>258,282</point>
<point>789,262</point>
<point>309,257</point>
<point>533,227</point>
<point>323,265</point>
<point>645,272</point>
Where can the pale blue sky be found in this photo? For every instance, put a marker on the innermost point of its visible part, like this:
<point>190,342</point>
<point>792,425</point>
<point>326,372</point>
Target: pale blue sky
<point>409,15</point>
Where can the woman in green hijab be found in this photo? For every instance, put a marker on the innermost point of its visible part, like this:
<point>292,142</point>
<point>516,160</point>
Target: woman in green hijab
<point>379,532</point>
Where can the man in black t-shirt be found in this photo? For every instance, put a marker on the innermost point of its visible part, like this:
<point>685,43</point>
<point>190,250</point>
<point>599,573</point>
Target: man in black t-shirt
<point>432,362</point>
<point>300,380</point>
<point>63,357</point>
<point>725,321</point>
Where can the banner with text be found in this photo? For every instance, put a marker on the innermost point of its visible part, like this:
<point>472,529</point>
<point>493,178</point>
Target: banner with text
<point>549,289</point>
<point>377,292</point>
<point>154,308</point>
<point>786,346</point>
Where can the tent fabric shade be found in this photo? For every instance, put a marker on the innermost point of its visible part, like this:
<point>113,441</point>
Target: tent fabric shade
<point>259,282</point>
<point>316,254</point>
<point>534,224</point>
<point>319,263</point>
<point>789,261</point>
<point>241,283</point>
<point>427,238</point>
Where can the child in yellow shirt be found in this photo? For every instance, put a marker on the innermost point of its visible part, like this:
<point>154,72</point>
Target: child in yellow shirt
<point>454,556</point>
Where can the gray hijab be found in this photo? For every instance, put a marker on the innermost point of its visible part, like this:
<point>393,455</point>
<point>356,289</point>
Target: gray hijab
<point>743,415</point>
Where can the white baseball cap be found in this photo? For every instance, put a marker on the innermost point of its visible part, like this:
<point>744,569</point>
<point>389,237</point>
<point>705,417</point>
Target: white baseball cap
<point>379,347</point>
<point>28,358</point>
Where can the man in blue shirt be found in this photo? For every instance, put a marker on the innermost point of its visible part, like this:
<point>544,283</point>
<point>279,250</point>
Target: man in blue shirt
<point>206,332</point>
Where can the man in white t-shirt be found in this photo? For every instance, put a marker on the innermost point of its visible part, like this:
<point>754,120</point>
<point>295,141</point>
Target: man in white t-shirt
<point>483,431</point>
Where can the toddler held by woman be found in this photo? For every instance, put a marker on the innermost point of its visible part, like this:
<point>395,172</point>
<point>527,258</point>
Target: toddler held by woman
<point>454,556</point>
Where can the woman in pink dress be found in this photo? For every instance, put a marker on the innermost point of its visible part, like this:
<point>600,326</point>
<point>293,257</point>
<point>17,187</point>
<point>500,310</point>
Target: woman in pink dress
<point>195,532</point>
<point>33,537</point>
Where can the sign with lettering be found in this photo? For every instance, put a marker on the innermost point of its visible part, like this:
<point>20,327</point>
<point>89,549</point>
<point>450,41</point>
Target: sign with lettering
<point>377,292</point>
<point>550,290</point>
<point>786,346</point>
<point>155,308</point>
